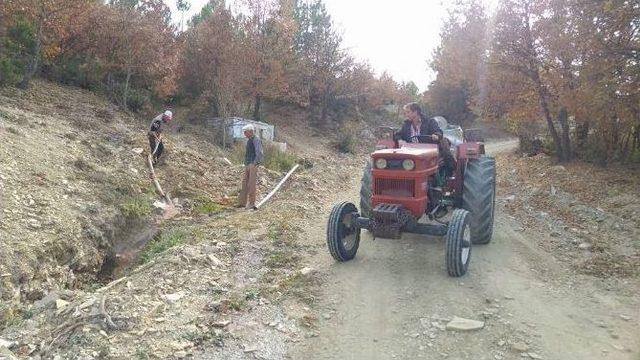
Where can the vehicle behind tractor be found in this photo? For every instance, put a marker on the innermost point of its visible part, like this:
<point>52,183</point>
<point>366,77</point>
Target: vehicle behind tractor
<point>405,187</point>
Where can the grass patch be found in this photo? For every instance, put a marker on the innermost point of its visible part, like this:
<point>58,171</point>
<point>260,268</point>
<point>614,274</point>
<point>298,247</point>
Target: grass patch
<point>237,302</point>
<point>282,259</point>
<point>346,144</point>
<point>82,165</point>
<point>13,130</point>
<point>162,242</point>
<point>206,206</point>
<point>136,207</point>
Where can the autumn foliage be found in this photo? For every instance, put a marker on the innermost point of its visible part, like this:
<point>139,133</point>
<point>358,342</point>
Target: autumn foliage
<point>230,58</point>
<point>564,70</point>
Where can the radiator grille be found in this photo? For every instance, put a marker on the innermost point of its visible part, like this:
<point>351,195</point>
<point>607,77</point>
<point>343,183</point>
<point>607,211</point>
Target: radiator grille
<point>395,187</point>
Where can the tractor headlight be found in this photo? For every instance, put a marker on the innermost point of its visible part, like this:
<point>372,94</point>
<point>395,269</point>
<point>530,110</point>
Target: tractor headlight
<point>381,163</point>
<point>408,164</point>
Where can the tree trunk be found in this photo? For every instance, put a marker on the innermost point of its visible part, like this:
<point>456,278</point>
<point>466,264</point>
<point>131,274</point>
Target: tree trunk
<point>563,119</point>
<point>34,61</point>
<point>582,134</point>
<point>256,108</point>
<point>125,92</point>
<point>547,115</point>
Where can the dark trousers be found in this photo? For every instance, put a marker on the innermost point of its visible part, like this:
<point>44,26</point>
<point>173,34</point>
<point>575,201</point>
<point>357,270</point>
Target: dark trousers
<point>444,148</point>
<point>152,144</point>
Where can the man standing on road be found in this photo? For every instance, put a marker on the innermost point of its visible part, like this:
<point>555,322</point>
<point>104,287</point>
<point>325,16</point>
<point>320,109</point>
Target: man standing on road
<point>252,158</point>
<point>155,134</point>
<point>420,129</point>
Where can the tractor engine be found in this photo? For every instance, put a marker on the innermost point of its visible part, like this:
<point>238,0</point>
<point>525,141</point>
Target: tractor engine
<point>400,187</point>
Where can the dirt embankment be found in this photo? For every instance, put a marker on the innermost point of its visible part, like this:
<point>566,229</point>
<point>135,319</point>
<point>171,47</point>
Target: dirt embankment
<point>213,281</point>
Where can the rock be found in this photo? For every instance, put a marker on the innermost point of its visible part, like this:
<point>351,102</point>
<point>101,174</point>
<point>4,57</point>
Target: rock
<point>558,168</point>
<point>60,304</point>
<point>159,204</point>
<point>6,354</point>
<point>5,343</point>
<point>509,297</point>
<point>46,301</point>
<point>326,316</point>
<point>180,354</point>
<point>555,234</point>
<point>625,317</point>
<point>618,347</point>
<point>501,343</point>
<point>172,298</point>
<point>584,246</point>
<point>510,198</point>
<point>462,324</point>
<point>222,324</point>
<point>214,260</point>
<point>535,356</point>
<point>553,190</point>
<point>137,150</point>
<point>519,347</point>
<point>226,161</point>
<point>250,348</point>
<point>306,271</point>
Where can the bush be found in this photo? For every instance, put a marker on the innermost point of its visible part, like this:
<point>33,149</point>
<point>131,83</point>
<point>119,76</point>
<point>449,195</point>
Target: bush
<point>136,207</point>
<point>274,159</point>
<point>15,50</point>
<point>346,144</point>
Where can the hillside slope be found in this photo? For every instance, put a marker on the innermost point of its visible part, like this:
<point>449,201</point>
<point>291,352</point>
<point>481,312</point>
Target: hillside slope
<point>77,213</point>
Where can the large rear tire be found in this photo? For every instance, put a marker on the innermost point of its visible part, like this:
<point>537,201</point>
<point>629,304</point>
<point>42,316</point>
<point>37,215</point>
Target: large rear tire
<point>342,239</point>
<point>458,243</point>
<point>365,191</point>
<point>479,197</point>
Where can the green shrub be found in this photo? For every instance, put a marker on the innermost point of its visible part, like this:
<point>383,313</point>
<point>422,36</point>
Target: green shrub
<point>163,241</point>
<point>346,144</point>
<point>206,206</point>
<point>136,207</point>
<point>16,49</point>
<point>274,159</point>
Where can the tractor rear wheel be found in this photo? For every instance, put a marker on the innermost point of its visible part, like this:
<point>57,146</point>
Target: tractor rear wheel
<point>479,197</point>
<point>365,191</point>
<point>342,238</point>
<point>458,243</point>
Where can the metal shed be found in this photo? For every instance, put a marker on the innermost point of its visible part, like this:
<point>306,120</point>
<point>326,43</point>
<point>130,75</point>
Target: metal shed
<point>264,131</point>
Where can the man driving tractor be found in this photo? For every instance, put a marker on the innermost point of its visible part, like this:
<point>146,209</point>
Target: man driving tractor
<point>418,128</point>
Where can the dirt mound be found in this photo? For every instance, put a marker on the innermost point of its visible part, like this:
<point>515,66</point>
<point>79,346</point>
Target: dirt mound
<point>589,214</point>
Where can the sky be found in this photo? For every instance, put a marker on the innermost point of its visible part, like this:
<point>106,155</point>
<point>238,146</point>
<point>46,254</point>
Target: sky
<point>397,36</point>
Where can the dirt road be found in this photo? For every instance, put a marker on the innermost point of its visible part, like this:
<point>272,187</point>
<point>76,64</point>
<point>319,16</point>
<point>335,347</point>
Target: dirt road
<point>394,299</point>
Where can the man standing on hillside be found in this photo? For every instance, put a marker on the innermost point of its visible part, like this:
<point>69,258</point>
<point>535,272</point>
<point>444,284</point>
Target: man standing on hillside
<point>252,158</point>
<point>155,134</point>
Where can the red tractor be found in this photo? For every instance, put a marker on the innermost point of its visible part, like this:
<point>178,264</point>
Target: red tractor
<point>405,182</point>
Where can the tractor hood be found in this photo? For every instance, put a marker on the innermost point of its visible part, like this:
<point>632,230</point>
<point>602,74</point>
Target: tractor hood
<point>408,151</point>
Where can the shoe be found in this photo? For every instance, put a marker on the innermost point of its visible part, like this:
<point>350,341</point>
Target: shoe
<point>252,208</point>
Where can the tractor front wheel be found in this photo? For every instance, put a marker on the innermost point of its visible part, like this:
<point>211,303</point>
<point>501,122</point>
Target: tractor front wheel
<point>343,239</point>
<point>458,243</point>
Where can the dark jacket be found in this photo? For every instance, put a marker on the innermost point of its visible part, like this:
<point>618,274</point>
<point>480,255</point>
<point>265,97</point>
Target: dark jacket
<point>428,127</point>
<point>254,154</point>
